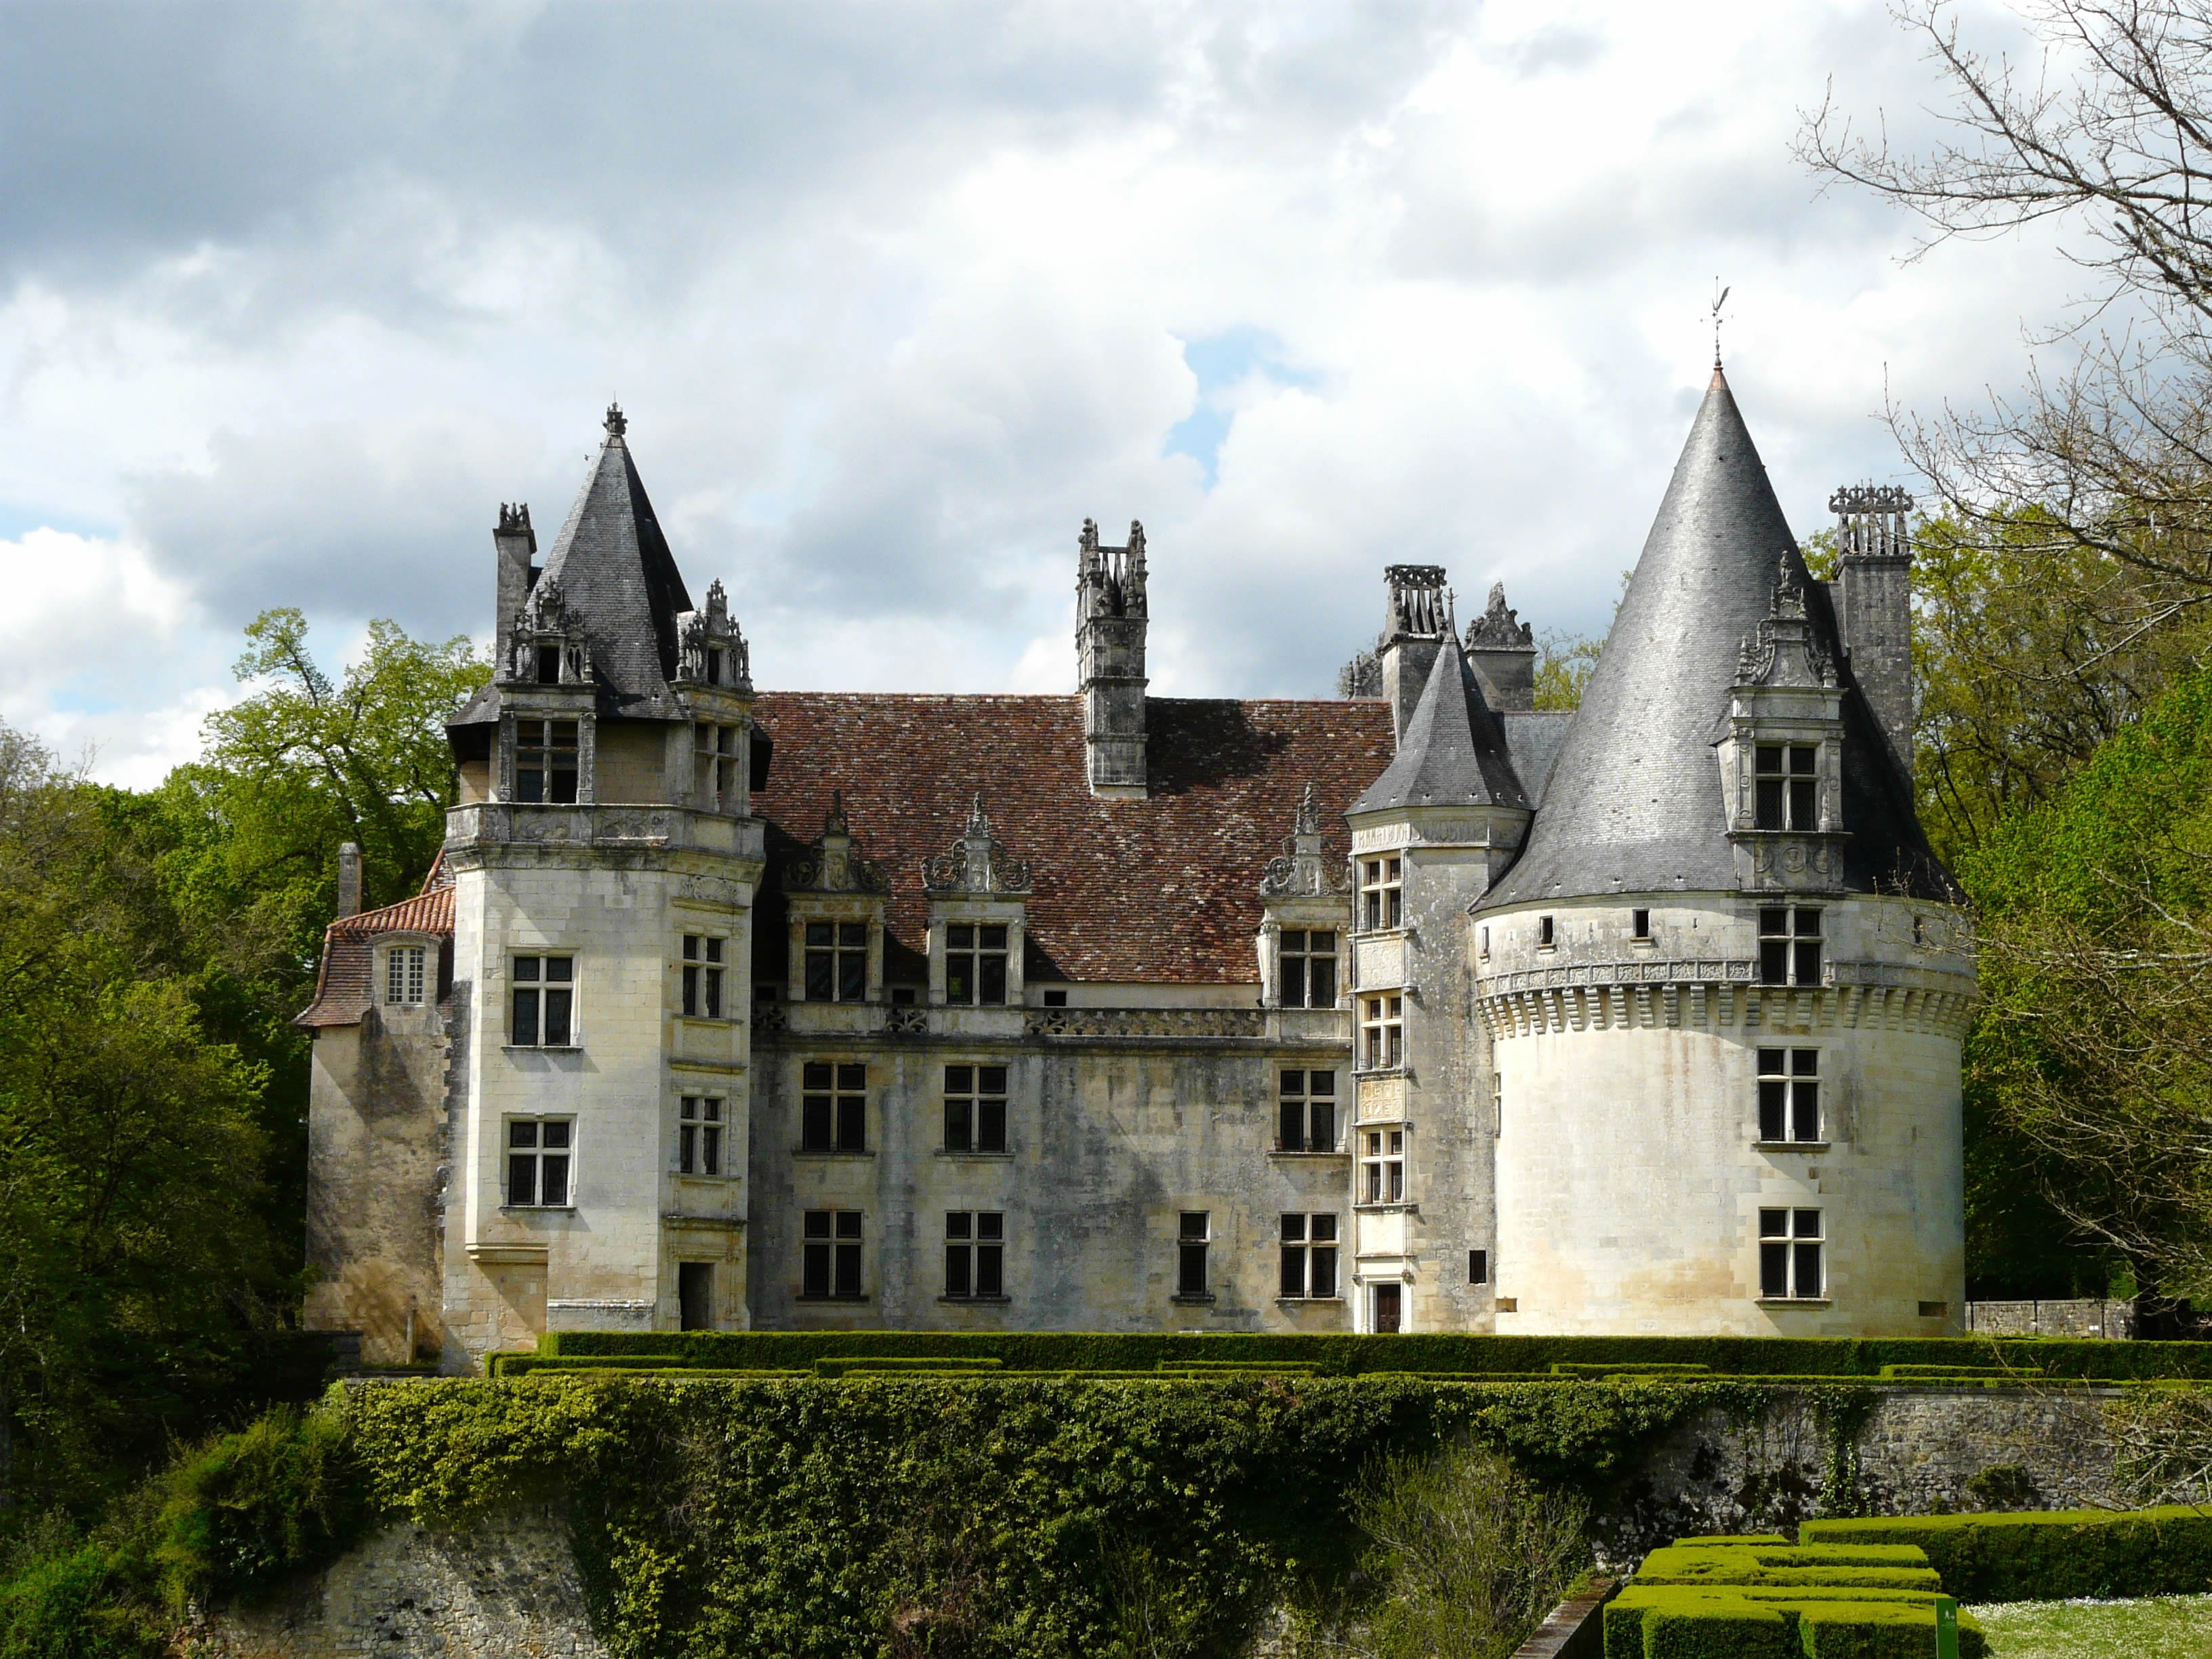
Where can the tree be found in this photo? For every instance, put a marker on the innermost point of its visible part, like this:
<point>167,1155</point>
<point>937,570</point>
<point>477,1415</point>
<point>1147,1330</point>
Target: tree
<point>1565,663</point>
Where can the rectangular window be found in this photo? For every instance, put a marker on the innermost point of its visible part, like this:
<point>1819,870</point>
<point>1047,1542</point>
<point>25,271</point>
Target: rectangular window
<point>545,761</point>
<point>1485,944</point>
<point>1309,1257</point>
<point>1789,1094</point>
<point>974,1253</point>
<point>1789,945</point>
<point>1547,935</point>
<point>1305,1119</point>
<point>829,1269</point>
<point>699,1136</point>
<point>974,965</point>
<point>544,1002</point>
<point>1640,924</point>
<point>1383,1166</point>
<point>1382,1032</point>
<point>719,756</point>
<point>539,1151</point>
<point>1192,1234</point>
<point>1478,1266</point>
<point>403,975</point>
<point>974,1109</point>
<point>1305,960</point>
<point>833,1107</point>
<point>702,976</point>
<point>1381,893</point>
<point>1789,1254</point>
<point>1786,786</point>
<point>836,960</point>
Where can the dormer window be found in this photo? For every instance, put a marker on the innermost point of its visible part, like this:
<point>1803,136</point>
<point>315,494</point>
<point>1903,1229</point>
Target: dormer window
<point>1307,959</point>
<point>403,974</point>
<point>836,960</point>
<point>974,965</point>
<point>545,761</point>
<point>1787,786</point>
<point>549,665</point>
<point>714,665</point>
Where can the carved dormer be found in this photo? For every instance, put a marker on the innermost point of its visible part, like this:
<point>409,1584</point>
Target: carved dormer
<point>547,645</point>
<point>836,903</point>
<point>714,684</point>
<point>711,648</point>
<point>1306,917</point>
<point>978,919</point>
<point>1501,648</point>
<point>1781,757</point>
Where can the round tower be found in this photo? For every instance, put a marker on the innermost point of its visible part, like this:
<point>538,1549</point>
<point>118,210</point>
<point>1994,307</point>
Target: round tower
<point>1726,982</point>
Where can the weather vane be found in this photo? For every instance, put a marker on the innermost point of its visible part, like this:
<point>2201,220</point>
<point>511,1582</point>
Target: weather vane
<point>1720,299</point>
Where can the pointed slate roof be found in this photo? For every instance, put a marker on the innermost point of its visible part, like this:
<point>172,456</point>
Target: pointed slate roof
<point>614,568</point>
<point>1634,802</point>
<point>1453,753</point>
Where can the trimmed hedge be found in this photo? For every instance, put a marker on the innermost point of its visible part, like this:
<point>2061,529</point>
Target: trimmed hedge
<point>1798,1358</point>
<point>2048,1556</point>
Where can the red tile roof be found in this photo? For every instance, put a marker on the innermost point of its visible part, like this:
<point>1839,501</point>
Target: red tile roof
<point>1165,889</point>
<point>342,986</point>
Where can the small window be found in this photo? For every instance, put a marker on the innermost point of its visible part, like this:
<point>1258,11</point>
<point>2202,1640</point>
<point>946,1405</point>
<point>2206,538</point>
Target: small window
<point>975,1254</point>
<point>1192,1234</point>
<point>1789,1094</point>
<point>1640,924</point>
<point>974,1109</point>
<point>1382,902</point>
<point>1545,937</point>
<point>1055,998</point>
<point>699,1136</point>
<point>1383,1166</point>
<point>714,665</point>
<point>1306,963</point>
<point>720,751</point>
<point>702,976</point>
<point>974,965</point>
<point>1789,1243</point>
<point>902,996</point>
<point>833,1107</point>
<point>545,761</point>
<point>544,1002</point>
<point>1478,1266</point>
<point>1382,1032</point>
<point>1919,930</point>
<point>549,665</point>
<point>1309,1257</point>
<point>1305,1119</point>
<point>836,960</point>
<point>1786,786</point>
<point>403,975</point>
<point>1496,1105</point>
<point>1789,945</point>
<point>538,1154</point>
<point>1485,944</point>
<point>830,1267</point>
<point>695,1295</point>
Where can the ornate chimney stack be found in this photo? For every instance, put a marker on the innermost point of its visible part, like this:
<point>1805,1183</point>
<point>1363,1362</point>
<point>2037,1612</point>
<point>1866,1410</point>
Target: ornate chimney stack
<point>1874,602</point>
<point>1109,647</point>
<point>1501,648</point>
<point>515,545</point>
<point>1413,630</point>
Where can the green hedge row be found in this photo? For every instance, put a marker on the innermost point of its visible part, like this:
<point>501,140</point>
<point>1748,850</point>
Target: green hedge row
<point>1959,1358</point>
<point>2048,1556</point>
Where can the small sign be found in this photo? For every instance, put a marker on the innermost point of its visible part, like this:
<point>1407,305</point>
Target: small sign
<point>1946,1628</point>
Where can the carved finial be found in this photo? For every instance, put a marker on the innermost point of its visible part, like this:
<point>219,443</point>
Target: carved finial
<point>1720,299</point>
<point>618,423</point>
<point>1088,542</point>
<point>1308,818</point>
<point>1136,541</point>
<point>977,863</point>
<point>833,821</point>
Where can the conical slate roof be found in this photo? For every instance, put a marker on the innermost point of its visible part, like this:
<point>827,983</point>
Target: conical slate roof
<point>1635,804</point>
<point>1452,753</point>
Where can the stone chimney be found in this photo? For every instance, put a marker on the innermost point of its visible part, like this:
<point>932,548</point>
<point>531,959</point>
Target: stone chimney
<point>1109,647</point>
<point>1413,631</point>
<point>1501,648</point>
<point>515,545</point>
<point>1873,592</point>
<point>349,879</point>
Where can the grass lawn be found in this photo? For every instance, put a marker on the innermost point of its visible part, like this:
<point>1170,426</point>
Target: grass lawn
<point>2163,1627</point>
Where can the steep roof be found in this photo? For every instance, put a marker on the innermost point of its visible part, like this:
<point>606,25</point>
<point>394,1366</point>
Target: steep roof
<point>614,568</point>
<point>1165,889</point>
<point>1453,753</point>
<point>1634,801</point>
<point>343,992</point>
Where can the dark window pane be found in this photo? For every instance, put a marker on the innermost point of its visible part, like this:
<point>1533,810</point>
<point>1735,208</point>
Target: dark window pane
<point>991,973</point>
<point>1292,972</point>
<point>1774,1270</point>
<point>1291,1130</point>
<point>960,936</point>
<point>818,933</point>
<point>526,1017</point>
<point>820,975</point>
<point>814,1124</point>
<point>1294,939</point>
<point>1808,924</point>
<point>1294,1270</point>
<point>991,938</point>
<point>1323,991</point>
<point>712,1003</point>
<point>710,1151</point>
<point>958,1079</point>
<point>1294,1229</point>
<point>1642,919</point>
<point>564,734</point>
<point>852,976</point>
<point>959,981</point>
<point>563,790</point>
<point>1767,805</point>
<point>561,968</point>
<point>956,1127</point>
<point>1769,758</point>
<point>958,1223</point>
<point>1770,1092</point>
<point>553,1180</point>
<point>1803,814</point>
<point>1809,1224</point>
<point>690,947</point>
<point>817,1074</point>
<point>1770,1062</point>
<point>1806,1062</point>
<point>1324,1279</point>
<point>851,1124</point>
<point>853,935</point>
<point>1190,1274</point>
<point>1774,1224</point>
<point>1805,1106</point>
<point>848,1270</point>
<point>1801,761</point>
<point>991,1126</point>
<point>1192,1223</point>
<point>956,1270</point>
<point>991,1079</point>
<point>522,1180</point>
<point>687,1150</point>
<point>556,1134</point>
<point>691,991</point>
<point>990,1270</point>
<point>1320,1083</point>
<point>1808,962</point>
<point>816,1224</point>
<point>1322,941</point>
<point>815,1279</point>
<point>529,783</point>
<point>1808,1269</point>
<point>849,1223</point>
<point>1322,1136</point>
<point>1478,1266</point>
<point>556,1017</point>
<point>1774,962</point>
<point>1771,923</point>
<point>853,1077</point>
<point>990,1223</point>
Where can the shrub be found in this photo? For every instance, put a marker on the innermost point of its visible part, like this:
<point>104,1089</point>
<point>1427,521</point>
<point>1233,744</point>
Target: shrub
<point>2051,1556</point>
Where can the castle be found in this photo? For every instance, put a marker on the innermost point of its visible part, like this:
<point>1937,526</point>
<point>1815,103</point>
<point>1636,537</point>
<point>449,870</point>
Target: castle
<point>1418,1009</point>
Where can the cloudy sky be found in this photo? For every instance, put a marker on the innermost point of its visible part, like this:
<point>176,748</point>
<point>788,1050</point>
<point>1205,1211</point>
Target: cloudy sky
<point>896,294</point>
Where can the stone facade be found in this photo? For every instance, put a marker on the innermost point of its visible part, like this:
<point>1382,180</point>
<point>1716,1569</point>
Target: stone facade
<point>1417,1010</point>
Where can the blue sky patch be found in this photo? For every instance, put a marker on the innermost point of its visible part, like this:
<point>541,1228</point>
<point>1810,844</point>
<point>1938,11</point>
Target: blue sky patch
<point>1223,362</point>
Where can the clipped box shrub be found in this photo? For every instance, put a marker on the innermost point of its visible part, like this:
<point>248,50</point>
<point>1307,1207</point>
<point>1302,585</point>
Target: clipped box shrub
<point>2048,1556</point>
<point>845,1367</point>
<point>1661,1621</point>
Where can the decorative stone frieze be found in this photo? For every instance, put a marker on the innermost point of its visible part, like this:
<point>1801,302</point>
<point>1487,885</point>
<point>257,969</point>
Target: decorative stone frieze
<point>1719,994</point>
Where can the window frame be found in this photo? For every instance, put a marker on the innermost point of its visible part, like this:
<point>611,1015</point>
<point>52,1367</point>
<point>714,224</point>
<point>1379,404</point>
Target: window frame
<point>833,1256</point>
<point>975,965</point>
<point>975,1255</point>
<point>1382,1031</point>
<point>841,959</point>
<point>539,1151</point>
<point>538,989</point>
<point>1381,893</point>
<point>703,1125</point>
<point>833,1107</point>
<point>1306,974</point>
<point>704,970</point>
<point>1382,1165</point>
<point>1308,1240</point>
<point>717,752</point>
<point>1790,952</point>
<point>1785,786</point>
<point>1299,1104</point>
<point>1786,1248</point>
<point>980,1109</point>
<point>543,739</point>
<point>1194,1245</point>
<point>406,967</point>
<point>1790,1097</point>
